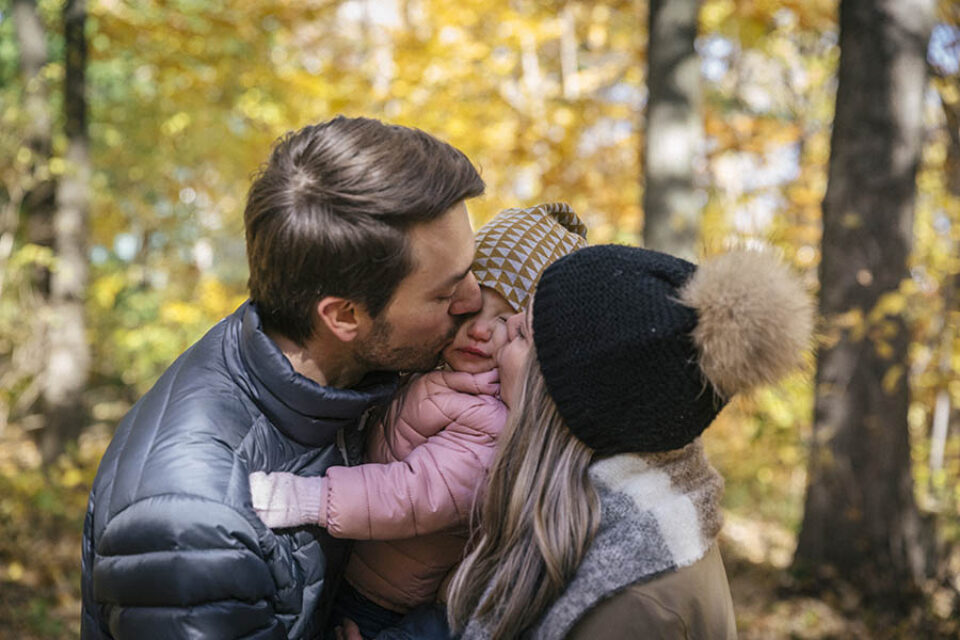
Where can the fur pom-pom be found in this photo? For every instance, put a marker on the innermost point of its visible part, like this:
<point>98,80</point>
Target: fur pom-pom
<point>754,319</point>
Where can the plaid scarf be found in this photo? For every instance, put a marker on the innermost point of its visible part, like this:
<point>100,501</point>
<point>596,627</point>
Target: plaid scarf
<point>659,512</point>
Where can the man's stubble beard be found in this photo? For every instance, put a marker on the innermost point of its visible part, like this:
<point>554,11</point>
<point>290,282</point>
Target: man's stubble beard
<point>376,354</point>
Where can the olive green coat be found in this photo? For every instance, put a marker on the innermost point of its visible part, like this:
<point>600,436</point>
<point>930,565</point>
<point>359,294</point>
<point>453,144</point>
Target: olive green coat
<point>691,603</point>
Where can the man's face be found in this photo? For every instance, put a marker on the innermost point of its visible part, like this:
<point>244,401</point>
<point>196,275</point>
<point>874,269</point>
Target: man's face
<point>429,304</point>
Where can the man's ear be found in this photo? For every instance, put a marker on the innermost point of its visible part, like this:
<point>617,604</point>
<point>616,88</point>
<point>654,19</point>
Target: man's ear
<point>342,317</point>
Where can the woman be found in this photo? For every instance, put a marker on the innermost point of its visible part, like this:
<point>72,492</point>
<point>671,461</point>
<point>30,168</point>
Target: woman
<point>602,512</point>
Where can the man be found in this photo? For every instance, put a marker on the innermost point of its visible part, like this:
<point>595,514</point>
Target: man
<point>359,248</point>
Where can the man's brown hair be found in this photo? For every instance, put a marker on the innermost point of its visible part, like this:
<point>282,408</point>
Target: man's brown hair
<point>329,212</point>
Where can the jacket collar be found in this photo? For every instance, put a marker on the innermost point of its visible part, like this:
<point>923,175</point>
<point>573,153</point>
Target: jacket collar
<point>659,512</point>
<point>303,410</point>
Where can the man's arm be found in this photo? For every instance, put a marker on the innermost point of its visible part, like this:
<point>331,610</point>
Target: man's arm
<point>179,566</point>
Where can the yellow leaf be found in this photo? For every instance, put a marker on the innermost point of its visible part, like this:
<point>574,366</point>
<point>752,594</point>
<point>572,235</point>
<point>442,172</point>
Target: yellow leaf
<point>883,349</point>
<point>892,378</point>
<point>33,254</point>
<point>71,478</point>
<point>177,123</point>
<point>104,290</point>
<point>15,572</point>
<point>805,196</point>
<point>909,286</point>
<point>112,137</point>
<point>714,14</point>
<point>889,304</point>
<point>597,35</point>
<point>752,32</point>
<point>950,94</point>
<point>23,155</point>
<point>181,313</point>
<point>564,117</point>
<point>853,321</point>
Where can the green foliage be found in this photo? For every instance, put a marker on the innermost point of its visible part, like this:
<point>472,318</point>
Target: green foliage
<point>41,515</point>
<point>145,327</point>
<point>759,446</point>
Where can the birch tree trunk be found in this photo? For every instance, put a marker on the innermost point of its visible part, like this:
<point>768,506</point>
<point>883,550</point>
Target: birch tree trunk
<point>68,356</point>
<point>861,522</point>
<point>674,131</point>
<point>38,201</point>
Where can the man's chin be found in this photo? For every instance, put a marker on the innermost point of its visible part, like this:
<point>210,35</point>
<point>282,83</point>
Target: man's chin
<point>424,366</point>
<point>402,360</point>
<point>376,353</point>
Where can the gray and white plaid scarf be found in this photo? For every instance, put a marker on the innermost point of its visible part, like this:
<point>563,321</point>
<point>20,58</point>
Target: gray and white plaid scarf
<point>659,512</point>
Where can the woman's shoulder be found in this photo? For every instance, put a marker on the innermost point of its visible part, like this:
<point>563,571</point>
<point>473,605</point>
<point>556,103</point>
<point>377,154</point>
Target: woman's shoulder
<point>692,602</point>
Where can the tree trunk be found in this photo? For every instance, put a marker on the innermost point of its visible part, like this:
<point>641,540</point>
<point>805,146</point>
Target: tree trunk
<point>674,131</point>
<point>68,356</point>
<point>861,521</point>
<point>38,202</point>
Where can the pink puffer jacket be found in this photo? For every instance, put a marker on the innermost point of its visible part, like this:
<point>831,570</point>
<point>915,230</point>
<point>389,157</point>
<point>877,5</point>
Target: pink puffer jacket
<point>410,513</point>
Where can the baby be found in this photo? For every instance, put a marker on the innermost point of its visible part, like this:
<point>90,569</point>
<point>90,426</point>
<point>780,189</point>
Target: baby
<point>428,456</point>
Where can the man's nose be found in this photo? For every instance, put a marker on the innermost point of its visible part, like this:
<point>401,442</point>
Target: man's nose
<point>468,298</point>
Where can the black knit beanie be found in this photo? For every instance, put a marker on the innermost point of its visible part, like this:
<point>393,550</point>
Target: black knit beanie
<point>618,346</point>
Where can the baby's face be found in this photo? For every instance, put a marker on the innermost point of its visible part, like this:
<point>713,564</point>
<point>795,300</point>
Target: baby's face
<point>479,338</point>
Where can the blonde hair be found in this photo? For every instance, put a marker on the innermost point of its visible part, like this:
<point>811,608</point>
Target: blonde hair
<point>537,520</point>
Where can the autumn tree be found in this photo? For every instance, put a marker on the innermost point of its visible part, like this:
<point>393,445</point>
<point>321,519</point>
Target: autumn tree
<point>947,83</point>
<point>860,516</point>
<point>674,132</point>
<point>68,357</point>
<point>54,210</point>
<point>38,196</point>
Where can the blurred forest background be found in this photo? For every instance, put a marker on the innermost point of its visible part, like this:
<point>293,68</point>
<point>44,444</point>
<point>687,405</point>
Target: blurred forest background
<point>129,130</point>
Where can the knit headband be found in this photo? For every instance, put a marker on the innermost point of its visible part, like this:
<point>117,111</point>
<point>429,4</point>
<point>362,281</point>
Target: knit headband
<point>515,247</point>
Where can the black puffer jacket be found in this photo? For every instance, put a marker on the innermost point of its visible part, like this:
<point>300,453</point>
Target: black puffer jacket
<point>171,545</point>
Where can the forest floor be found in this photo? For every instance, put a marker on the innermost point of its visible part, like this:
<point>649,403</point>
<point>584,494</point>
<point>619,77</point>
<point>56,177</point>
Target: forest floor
<point>41,517</point>
<point>770,605</point>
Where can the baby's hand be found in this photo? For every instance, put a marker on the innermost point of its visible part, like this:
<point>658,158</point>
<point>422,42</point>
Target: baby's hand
<point>287,500</point>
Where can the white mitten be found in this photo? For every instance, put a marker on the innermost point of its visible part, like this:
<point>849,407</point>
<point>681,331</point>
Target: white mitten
<point>287,500</point>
